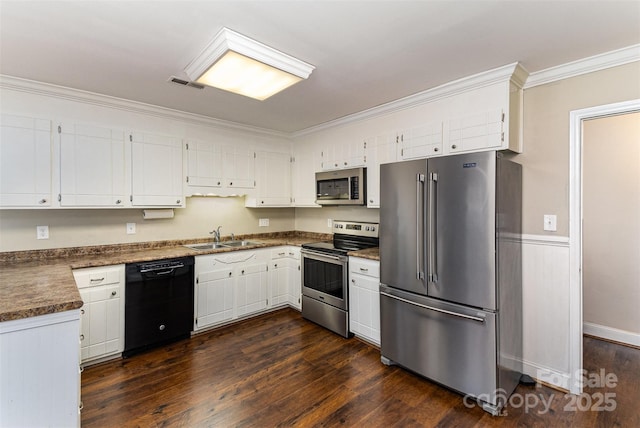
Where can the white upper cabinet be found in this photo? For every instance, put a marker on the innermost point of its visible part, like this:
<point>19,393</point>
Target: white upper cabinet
<point>273,181</point>
<point>204,164</point>
<point>156,171</point>
<point>343,154</point>
<point>239,167</point>
<point>306,161</point>
<point>26,159</point>
<point>420,141</point>
<point>216,168</point>
<point>92,166</point>
<point>380,149</point>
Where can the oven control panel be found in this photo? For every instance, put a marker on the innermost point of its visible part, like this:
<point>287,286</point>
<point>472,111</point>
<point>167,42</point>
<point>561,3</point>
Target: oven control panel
<point>356,228</point>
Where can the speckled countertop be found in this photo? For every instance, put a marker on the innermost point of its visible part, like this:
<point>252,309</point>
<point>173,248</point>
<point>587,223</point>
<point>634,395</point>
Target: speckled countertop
<point>41,282</point>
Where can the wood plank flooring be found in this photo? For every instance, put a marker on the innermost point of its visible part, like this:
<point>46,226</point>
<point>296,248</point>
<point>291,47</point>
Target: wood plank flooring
<point>279,370</point>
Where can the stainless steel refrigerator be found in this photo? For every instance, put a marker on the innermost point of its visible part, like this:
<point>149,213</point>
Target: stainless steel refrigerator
<point>450,272</point>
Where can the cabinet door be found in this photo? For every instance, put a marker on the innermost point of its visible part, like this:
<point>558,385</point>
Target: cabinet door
<point>26,154</point>
<point>92,166</point>
<point>306,162</point>
<point>421,141</point>
<point>279,282</point>
<point>204,164</point>
<point>214,297</point>
<point>273,178</point>
<point>251,287</point>
<point>364,307</point>
<point>239,167</point>
<point>295,284</point>
<point>156,177</point>
<point>101,322</point>
<point>380,150</point>
<point>476,131</point>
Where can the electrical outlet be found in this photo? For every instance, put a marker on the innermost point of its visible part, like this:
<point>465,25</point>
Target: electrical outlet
<point>131,228</point>
<point>329,222</point>
<point>263,222</point>
<point>42,232</point>
<point>550,222</point>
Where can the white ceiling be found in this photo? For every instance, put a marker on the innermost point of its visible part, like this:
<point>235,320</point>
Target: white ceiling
<point>366,53</point>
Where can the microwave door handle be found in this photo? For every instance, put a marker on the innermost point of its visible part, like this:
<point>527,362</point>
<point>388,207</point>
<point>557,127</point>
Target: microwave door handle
<point>419,221</point>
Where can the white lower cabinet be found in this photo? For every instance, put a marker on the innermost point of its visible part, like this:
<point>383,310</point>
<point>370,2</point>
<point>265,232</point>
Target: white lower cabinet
<point>40,371</point>
<point>233,285</point>
<point>229,285</point>
<point>102,315</point>
<point>284,277</point>
<point>364,299</point>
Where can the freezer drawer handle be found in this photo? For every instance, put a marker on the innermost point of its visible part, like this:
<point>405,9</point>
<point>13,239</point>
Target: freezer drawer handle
<point>444,311</point>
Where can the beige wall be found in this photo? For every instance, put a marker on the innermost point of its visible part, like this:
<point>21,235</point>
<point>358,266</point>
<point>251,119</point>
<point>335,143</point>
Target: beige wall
<point>611,222</point>
<point>545,159</point>
<point>70,228</point>
<point>315,219</point>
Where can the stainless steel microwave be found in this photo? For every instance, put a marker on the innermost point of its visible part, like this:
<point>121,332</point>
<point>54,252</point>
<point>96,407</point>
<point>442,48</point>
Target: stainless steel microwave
<point>341,187</point>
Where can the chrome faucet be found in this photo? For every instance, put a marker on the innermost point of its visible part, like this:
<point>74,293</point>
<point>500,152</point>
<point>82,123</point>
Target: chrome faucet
<point>216,234</point>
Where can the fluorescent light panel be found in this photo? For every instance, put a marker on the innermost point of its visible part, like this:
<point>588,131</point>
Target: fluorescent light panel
<point>238,64</point>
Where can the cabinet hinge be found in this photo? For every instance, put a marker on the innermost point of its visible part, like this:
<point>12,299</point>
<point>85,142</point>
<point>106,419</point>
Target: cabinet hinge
<point>130,198</point>
<point>322,154</point>
<point>187,146</point>
<point>502,137</point>
<point>59,129</point>
<point>59,197</point>
<point>197,280</point>
<point>254,183</point>
<point>365,159</point>
<point>365,144</point>
<point>187,178</point>
<point>401,152</point>
<point>131,138</point>
<point>502,116</point>
<point>196,321</point>
<point>254,155</point>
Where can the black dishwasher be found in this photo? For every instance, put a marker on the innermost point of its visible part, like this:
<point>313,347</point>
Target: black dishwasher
<point>158,303</point>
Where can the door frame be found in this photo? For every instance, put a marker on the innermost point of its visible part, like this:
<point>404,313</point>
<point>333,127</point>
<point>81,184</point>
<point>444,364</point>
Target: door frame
<point>576,118</point>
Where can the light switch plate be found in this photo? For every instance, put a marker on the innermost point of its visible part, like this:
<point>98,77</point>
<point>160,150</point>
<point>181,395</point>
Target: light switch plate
<point>131,228</point>
<point>263,222</point>
<point>550,222</point>
<point>42,232</point>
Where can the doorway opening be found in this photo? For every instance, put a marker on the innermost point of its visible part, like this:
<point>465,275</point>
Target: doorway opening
<point>576,138</point>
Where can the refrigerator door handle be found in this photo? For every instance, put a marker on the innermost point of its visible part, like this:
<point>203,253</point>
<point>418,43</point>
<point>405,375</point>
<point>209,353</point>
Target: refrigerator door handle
<point>420,178</point>
<point>431,308</point>
<point>433,226</point>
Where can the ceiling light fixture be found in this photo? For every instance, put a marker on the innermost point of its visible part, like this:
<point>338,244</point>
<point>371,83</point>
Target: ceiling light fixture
<point>238,64</point>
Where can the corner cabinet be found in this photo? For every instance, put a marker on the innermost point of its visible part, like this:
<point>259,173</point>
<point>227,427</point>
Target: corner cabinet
<point>156,171</point>
<point>285,277</point>
<point>102,315</point>
<point>364,299</point>
<point>26,161</point>
<point>40,371</point>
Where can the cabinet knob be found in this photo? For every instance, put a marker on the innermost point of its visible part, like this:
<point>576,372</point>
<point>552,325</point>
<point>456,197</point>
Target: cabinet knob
<point>118,201</point>
<point>229,273</point>
<point>42,201</point>
<point>231,183</point>
<point>243,271</point>
<point>370,201</point>
<point>82,311</point>
<point>82,337</point>
<point>113,293</point>
<point>162,327</point>
<point>276,264</point>
<point>435,149</point>
<point>453,146</point>
<point>345,163</point>
<point>178,201</point>
<point>336,164</point>
<point>218,183</point>
<point>262,202</point>
<point>353,280</point>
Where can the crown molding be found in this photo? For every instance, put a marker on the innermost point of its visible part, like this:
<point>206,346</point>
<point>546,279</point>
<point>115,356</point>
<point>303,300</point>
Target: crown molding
<point>92,98</point>
<point>449,89</point>
<point>584,66</point>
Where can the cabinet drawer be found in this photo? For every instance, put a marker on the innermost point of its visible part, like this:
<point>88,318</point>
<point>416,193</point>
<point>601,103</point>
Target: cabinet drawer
<point>364,267</point>
<point>280,252</point>
<point>94,277</point>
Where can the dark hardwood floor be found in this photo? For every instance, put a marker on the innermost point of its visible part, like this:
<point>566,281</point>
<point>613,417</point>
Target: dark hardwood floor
<point>281,370</point>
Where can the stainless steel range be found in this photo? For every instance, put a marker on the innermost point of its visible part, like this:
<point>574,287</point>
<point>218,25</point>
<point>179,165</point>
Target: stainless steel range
<point>325,271</point>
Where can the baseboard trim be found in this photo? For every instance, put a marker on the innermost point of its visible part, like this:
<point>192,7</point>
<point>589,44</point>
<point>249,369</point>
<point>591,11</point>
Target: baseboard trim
<point>552,378</point>
<point>611,334</point>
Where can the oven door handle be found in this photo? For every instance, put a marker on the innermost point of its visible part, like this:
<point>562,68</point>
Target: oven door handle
<point>322,256</point>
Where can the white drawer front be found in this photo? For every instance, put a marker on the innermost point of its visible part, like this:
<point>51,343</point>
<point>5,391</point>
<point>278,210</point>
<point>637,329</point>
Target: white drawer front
<point>364,267</point>
<point>99,276</point>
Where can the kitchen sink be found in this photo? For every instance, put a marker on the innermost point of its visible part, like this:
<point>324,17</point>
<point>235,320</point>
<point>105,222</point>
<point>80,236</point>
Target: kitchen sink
<point>238,243</point>
<point>205,246</point>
